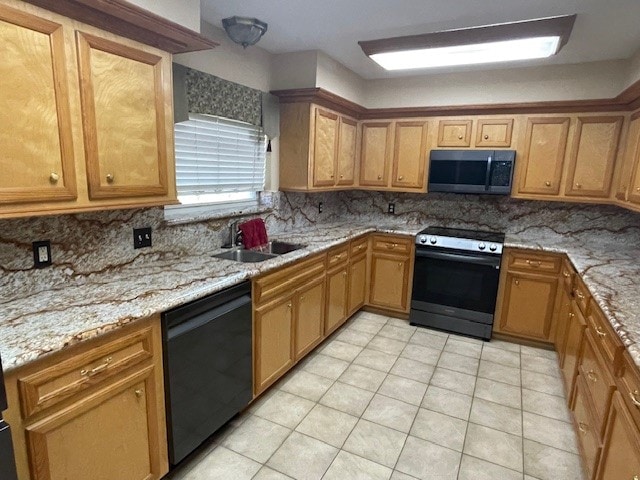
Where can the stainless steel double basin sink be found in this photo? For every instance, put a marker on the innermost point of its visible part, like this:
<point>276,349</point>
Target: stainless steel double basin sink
<point>259,254</point>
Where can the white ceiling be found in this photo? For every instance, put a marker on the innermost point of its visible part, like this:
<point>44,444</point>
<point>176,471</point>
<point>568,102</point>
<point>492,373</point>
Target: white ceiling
<point>604,29</point>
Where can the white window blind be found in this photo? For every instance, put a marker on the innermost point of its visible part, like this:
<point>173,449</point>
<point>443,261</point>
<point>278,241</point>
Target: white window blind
<point>215,156</point>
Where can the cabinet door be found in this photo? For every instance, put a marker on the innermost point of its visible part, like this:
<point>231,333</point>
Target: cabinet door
<point>37,160</point>
<point>633,175</point>
<point>273,341</point>
<point>357,284</point>
<point>325,145</point>
<point>410,155</point>
<point>104,436</point>
<point>631,151</point>
<point>376,148</point>
<point>336,299</point>
<point>123,107</point>
<point>528,308</point>
<point>543,156</point>
<point>621,446</point>
<point>573,347</point>
<point>389,281</point>
<point>309,319</point>
<point>562,322</point>
<point>494,132</point>
<point>593,157</point>
<point>585,423</point>
<point>347,148</point>
<point>454,133</point>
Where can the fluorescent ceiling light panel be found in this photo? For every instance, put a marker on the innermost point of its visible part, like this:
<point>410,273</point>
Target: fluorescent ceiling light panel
<point>504,42</point>
<point>493,52</point>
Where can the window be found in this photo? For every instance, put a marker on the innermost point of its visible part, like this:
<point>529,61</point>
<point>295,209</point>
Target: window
<point>218,160</point>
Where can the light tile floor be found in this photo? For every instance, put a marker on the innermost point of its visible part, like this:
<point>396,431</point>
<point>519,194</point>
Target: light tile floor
<point>381,399</point>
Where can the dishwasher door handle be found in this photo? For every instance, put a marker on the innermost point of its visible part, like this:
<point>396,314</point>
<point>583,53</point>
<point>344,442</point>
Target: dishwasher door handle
<point>210,316</point>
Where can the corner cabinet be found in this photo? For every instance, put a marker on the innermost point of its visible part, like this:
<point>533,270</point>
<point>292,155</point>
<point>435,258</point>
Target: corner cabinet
<point>95,410</point>
<point>95,129</point>
<point>318,148</point>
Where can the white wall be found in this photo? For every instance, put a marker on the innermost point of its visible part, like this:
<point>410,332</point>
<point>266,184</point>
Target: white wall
<point>633,74</point>
<point>294,70</point>
<point>558,82</point>
<point>183,12</point>
<point>250,66</point>
<point>336,78</point>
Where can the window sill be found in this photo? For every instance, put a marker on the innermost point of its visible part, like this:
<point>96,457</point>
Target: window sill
<point>180,215</point>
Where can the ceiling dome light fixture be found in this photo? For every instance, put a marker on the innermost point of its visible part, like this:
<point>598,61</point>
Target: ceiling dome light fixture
<point>244,30</point>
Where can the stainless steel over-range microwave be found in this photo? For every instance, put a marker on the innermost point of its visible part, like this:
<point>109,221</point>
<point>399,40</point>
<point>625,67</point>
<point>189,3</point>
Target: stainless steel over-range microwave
<point>471,171</point>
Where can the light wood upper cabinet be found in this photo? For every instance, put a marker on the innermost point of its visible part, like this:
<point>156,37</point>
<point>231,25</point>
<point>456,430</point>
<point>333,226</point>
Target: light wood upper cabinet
<point>325,144</point>
<point>347,151</point>
<point>634,190</point>
<point>376,151</point>
<point>95,129</point>
<point>410,155</point>
<point>123,119</point>
<point>37,158</point>
<point>629,162</point>
<point>454,133</point>
<point>542,159</point>
<point>593,156</point>
<point>494,132</point>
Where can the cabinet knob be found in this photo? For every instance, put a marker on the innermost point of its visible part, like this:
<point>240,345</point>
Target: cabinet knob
<point>341,176</point>
<point>460,137</point>
<point>592,376</point>
<point>579,295</point>
<point>400,264</point>
<point>566,274</point>
<point>54,177</point>
<point>548,184</point>
<point>289,305</point>
<point>516,281</point>
<point>302,298</point>
<point>379,177</point>
<point>571,314</point>
<point>583,427</point>
<point>400,177</point>
<point>139,392</point>
<point>638,189</point>
<point>578,185</point>
<point>486,137</point>
<point>110,178</point>
<point>332,175</point>
<point>344,274</point>
<point>634,398</point>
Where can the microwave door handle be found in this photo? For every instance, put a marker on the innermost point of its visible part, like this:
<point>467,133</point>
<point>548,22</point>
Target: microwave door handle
<point>487,179</point>
<point>457,257</point>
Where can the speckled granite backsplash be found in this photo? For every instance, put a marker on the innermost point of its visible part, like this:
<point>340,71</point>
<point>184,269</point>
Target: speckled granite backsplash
<point>92,243</point>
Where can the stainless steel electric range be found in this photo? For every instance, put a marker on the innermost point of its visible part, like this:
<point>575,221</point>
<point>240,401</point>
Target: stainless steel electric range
<point>455,281</point>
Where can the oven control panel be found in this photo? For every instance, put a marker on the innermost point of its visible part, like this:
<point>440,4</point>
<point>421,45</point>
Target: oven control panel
<point>459,244</point>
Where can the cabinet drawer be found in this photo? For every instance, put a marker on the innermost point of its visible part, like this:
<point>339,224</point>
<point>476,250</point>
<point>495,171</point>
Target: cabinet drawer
<point>52,385</point>
<point>585,424</point>
<point>393,244</point>
<point>534,262</point>
<point>358,246</point>
<point>607,340</point>
<point>337,256</point>
<point>629,387</point>
<point>287,278</point>
<point>581,294</point>
<point>599,382</point>
<point>568,274</point>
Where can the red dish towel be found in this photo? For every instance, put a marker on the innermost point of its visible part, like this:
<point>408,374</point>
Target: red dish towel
<point>254,233</point>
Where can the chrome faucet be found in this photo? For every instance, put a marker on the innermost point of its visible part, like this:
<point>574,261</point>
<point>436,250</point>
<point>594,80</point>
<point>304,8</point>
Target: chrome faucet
<point>233,234</point>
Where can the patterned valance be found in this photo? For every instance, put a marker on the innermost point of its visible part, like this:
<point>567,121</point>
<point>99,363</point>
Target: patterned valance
<point>200,92</point>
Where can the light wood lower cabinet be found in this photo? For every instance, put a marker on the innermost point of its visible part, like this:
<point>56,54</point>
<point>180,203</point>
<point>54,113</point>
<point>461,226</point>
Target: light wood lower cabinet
<point>528,295</point>
<point>273,346</point>
<point>93,411</point>
<point>309,317</point>
<point>391,272</point>
<point>573,347</point>
<point>337,296</point>
<point>357,284</point>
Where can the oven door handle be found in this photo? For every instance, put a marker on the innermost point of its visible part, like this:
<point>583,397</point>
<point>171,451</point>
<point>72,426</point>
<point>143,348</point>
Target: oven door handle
<point>457,257</point>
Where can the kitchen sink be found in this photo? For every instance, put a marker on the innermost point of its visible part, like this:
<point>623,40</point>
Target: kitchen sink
<point>245,256</point>
<point>278,248</point>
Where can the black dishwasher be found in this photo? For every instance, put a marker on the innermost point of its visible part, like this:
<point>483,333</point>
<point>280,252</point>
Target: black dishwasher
<point>207,365</point>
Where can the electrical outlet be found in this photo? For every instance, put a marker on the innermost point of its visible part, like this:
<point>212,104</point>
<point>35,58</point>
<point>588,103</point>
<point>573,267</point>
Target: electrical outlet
<point>320,207</point>
<point>41,254</point>
<point>392,207</point>
<point>141,237</point>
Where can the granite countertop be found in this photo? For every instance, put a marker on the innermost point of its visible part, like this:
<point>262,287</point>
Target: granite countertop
<point>35,324</point>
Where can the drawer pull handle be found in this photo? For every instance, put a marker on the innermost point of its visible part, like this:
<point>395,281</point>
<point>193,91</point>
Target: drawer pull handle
<point>534,263</point>
<point>583,427</point>
<point>600,332</point>
<point>94,371</point>
<point>579,295</point>
<point>566,274</point>
<point>139,392</point>
<point>360,247</point>
<point>391,245</point>
<point>634,398</point>
<point>54,177</point>
<point>592,376</point>
<point>571,314</point>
